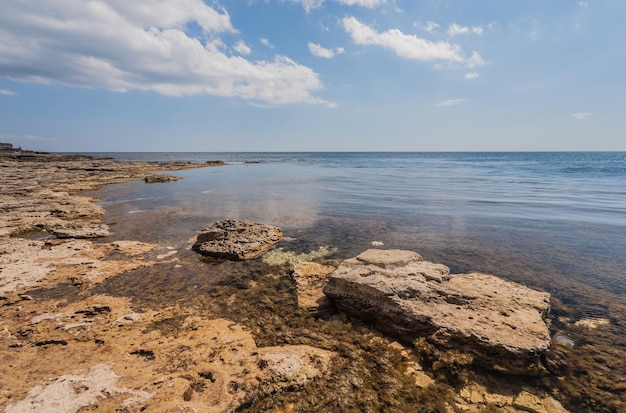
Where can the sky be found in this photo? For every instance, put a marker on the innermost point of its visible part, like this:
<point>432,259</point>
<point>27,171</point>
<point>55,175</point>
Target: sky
<point>313,75</point>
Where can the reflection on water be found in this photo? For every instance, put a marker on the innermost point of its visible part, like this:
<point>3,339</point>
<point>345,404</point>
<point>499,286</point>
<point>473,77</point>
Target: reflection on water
<point>542,231</point>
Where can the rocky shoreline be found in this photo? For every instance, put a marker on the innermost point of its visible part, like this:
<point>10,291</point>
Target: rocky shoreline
<point>232,352</point>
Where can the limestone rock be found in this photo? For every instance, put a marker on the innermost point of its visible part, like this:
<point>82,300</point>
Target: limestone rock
<point>500,324</point>
<point>295,364</point>
<point>152,179</point>
<point>76,229</point>
<point>529,402</point>
<point>310,278</point>
<point>236,240</point>
<point>38,190</point>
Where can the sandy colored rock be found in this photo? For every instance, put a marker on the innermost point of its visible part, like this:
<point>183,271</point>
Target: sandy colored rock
<point>38,191</point>
<point>25,264</point>
<point>310,278</point>
<point>528,402</point>
<point>500,324</point>
<point>236,240</point>
<point>592,322</point>
<point>553,406</point>
<point>152,179</point>
<point>152,361</point>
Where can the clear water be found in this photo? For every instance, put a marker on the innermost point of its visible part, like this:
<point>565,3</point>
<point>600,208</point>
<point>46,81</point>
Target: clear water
<point>552,221</point>
<point>563,209</point>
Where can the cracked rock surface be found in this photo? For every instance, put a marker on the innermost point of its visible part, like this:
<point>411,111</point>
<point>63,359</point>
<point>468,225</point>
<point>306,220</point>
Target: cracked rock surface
<point>500,324</point>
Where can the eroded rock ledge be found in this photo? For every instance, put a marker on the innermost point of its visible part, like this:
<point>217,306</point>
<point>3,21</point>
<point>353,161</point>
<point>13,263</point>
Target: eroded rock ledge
<point>37,191</point>
<point>499,323</point>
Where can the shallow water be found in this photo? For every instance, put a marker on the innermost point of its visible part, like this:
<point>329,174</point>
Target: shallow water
<point>553,221</point>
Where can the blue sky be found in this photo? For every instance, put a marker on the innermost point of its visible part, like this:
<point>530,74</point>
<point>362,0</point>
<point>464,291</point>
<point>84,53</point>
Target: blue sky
<point>313,75</point>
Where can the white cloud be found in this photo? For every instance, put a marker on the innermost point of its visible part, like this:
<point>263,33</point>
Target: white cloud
<point>475,60</point>
<point>266,42</point>
<point>364,3</point>
<point>583,3</point>
<point>7,92</point>
<point>404,45</point>
<point>472,75</point>
<point>409,46</point>
<point>581,115</point>
<point>242,48</point>
<point>309,5</point>
<point>430,26</point>
<point>320,51</point>
<point>450,102</point>
<point>455,29</point>
<point>141,45</point>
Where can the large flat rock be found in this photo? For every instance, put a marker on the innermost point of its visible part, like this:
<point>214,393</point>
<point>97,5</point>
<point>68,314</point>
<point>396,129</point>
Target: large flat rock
<point>236,240</point>
<point>499,323</point>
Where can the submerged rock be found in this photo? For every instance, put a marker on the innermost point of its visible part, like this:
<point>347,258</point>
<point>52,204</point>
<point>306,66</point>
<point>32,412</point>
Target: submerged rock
<point>310,278</point>
<point>236,240</point>
<point>500,324</point>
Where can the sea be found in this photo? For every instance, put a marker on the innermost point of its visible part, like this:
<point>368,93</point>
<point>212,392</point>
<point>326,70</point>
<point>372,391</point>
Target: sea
<point>554,221</point>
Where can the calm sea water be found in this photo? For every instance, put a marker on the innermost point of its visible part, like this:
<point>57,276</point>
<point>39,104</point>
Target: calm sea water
<point>552,221</point>
<point>533,217</point>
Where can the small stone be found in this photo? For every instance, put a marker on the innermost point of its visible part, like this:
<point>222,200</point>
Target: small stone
<point>529,402</point>
<point>592,322</point>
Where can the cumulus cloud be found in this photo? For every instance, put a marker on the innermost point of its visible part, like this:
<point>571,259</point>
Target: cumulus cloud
<point>404,45</point>
<point>7,92</point>
<point>472,75</point>
<point>242,48</point>
<point>145,45</point>
<point>450,102</point>
<point>455,29</point>
<point>581,115</point>
<point>320,51</point>
<point>266,42</point>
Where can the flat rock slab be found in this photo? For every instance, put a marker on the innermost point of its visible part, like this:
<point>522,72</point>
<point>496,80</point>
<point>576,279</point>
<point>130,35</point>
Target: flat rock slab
<point>236,240</point>
<point>499,323</point>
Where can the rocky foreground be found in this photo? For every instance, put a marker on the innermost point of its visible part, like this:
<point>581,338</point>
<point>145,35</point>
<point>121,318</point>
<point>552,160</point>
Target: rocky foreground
<point>253,344</point>
<point>498,324</point>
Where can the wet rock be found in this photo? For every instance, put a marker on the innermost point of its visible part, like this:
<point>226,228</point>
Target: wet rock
<point>528,402</point>
<point>310,278</point>
<point>38,191</point>
<point>215,163</point>
<point>499,324</point>
<point>74,229</point>
<point>295,364</point>
<point>152,179</point>
<point>236,240</point>
<point>592,322</point>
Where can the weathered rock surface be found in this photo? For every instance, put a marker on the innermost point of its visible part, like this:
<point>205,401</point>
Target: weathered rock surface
<point>236,240</point>
<point>26,264</point>
<point>310,278</point>
<point>80,356</point>
<point>38,191</point>
<point>499,323</point>
<point>152,179</point>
